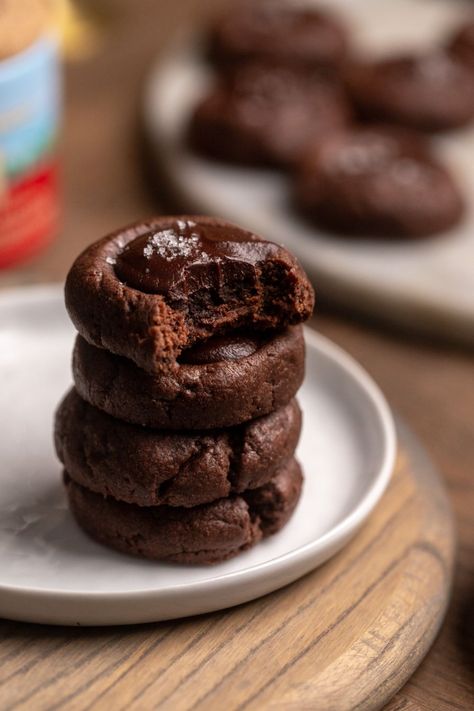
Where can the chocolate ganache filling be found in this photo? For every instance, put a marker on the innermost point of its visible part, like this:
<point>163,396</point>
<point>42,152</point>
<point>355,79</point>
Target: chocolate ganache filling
<point>187,257</point>
<point>219,348</point>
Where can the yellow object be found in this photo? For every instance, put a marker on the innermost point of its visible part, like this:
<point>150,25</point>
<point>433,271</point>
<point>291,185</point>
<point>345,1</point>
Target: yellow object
<point>21,23</point>
<point>80,33</point>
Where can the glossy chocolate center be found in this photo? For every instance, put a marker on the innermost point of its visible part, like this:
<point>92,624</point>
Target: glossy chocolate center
<point>218,348</point>
<point>187,255</point>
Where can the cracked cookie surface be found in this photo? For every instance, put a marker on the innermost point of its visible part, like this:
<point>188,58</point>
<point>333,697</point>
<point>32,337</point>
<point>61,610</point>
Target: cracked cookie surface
<point>204,534</point>
<point>149,468</point>
<point>279,32</point>
<point>266,116</point>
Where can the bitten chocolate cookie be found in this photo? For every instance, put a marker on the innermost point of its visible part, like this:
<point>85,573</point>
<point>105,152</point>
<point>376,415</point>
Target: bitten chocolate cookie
<point>461,45</point>
<point>265,116</point>
<point>377,182</point>
<point>151,290</point>
<point>221,383</point>
<point>295,34</point>
<point>148,468</point>
<point>433,92</point>
<point>204,534</point>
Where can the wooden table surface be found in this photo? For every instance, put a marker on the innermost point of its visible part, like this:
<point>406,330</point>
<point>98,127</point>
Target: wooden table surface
<point>430,385</point>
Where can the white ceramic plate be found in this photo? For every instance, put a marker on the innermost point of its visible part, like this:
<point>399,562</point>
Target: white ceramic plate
<point>52,572</point>
<point>427,286</point>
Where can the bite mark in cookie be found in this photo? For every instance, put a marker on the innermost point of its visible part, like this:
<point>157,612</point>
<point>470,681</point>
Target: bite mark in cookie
<point>222,279</point>
<point>195,395</point>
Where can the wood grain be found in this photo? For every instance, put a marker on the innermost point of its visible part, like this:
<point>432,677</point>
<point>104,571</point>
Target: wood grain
<point>343,638</point>
<point>431,385</point>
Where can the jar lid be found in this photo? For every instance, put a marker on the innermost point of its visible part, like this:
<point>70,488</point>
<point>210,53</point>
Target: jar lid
<point>21,23</point>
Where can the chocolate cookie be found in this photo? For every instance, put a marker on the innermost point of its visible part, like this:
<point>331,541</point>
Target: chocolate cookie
<point>433,92</point>
<point>276,31</point>
<point>222,383</point>
<point>205,534</point>
<point>150,468</point>
<point>265,116</point>
<point>151,290</point>
<point>377,182</point>
<point>461,44</point>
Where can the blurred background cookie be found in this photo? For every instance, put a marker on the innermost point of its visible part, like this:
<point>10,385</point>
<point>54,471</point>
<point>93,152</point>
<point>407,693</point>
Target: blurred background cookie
<point>266,116</point>
<point>461,44</point>
<point>377,181</point>
<point>429,92</point>
<point>298,34</point>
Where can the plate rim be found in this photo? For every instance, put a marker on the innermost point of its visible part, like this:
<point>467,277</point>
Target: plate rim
<point>301,555</point>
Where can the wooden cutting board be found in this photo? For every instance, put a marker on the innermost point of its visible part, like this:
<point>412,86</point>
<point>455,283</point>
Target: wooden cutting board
<point>343,638</point>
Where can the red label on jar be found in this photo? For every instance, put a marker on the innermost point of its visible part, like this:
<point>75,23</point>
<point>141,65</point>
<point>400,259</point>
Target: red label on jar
<point>29,115</point>
<point>28,214</point>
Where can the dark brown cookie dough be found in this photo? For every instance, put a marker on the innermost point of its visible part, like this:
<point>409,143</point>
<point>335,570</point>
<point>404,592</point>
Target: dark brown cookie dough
<point>194,396</point>
<point>461,45</point>
<point>149,468</point>
<point>377,182</point>
<point>432,92</point>
<point>265,116</point>
<point>277,31</point>
<point>205,534</point>
<point>157,287</point>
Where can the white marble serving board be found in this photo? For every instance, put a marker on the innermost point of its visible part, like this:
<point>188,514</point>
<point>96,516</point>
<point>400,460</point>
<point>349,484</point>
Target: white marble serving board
<point>426,286</point>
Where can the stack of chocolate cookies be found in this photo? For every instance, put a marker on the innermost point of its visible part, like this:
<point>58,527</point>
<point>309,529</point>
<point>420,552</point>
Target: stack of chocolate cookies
<point>178,439</point>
